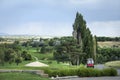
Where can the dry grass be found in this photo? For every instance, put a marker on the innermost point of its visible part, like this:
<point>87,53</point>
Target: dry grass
<point>109,44</point>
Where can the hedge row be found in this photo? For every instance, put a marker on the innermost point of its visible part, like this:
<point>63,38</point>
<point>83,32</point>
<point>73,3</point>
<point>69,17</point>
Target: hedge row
<point>82,72</point>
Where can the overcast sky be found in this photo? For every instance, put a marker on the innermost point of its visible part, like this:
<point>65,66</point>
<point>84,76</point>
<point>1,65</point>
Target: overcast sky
<point>56,17</point>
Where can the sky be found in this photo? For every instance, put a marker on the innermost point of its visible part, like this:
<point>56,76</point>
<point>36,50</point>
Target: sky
<point>56,17</point>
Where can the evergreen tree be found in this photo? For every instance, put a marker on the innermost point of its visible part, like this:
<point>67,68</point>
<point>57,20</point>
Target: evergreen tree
<point>2,55</point>
<point>83,35</point>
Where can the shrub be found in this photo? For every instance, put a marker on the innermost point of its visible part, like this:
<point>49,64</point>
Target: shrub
<point>113,72</point>
<point>72,72</point>
<point>26,56</point>
<point>82,72</point>
<point>93,72</point>
<point>98,73</point>
<point>109,72</point>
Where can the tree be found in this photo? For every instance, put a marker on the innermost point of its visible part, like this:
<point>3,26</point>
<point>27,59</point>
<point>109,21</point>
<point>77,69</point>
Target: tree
<point>2,56</point>
<point>68,51</point>
<point>9,55</point>
<point>60,54</point>
<point>18,60</point>
<point>43,49</point>
<point>26,56</point>
<point>83,35</point>
<point>95,48</point>
<point>51,42</point>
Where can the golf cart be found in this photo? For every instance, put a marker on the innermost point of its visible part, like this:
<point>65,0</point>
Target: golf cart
<point>90,62</point>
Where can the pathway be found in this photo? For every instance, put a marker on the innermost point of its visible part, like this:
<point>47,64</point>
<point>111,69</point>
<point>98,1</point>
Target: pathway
<point>92,78</point>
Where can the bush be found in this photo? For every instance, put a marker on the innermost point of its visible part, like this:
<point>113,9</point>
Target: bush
<point>81,72</point>
<point>109,72</point>
<point>113,72</point>
<point>72,72</point>
<point>93,72</point>
<point>26,56</point>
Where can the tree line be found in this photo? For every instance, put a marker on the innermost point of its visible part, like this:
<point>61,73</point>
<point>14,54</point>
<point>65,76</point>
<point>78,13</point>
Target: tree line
<point>108,54</point>
<point>108,38</point>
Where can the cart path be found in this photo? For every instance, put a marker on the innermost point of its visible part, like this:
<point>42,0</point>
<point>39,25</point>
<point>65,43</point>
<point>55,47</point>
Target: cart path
<point>92,78</point>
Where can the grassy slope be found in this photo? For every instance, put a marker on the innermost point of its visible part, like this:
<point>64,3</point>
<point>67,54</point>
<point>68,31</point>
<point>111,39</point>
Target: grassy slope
<point>44,58</point>
<point>19,76</point>
<point>108,44</point>
<point>115,64</point>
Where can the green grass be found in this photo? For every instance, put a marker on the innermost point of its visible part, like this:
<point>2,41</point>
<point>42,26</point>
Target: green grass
<point>39,55</point>
<point>44,58</point>
<point>20,76</point>
<point>115,64</point>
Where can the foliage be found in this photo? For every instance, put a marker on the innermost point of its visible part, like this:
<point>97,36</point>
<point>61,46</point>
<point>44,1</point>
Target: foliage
<point>83,36</point>
<point>13,53</point>
<point>26,56</point>
<point>68,51</point>
<point>108,54</point>
<point>108,38</point>
<point>82,72</point>
<point>109,72</point>
<point>9,55</point>
<point>2,55</point>
<point>18,60</point>
<point>46,49</point>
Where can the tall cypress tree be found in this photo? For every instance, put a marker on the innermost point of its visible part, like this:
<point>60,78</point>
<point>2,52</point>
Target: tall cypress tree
<point>83,35</point>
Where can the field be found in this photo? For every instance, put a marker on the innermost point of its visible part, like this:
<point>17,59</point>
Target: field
<point>109,44</point>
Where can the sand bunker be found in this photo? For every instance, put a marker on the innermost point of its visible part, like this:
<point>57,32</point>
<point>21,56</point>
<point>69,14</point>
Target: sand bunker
<point>36,64</point>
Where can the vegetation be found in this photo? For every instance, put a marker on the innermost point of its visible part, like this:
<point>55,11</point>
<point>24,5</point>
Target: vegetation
<point>19,76</point>
<point>78,48</point>
<point>82,72</point>
<point>108,54</point>
<point>108,38</point>
<point>13,53</point>
<point>68,51</point>
<point>83,36</point>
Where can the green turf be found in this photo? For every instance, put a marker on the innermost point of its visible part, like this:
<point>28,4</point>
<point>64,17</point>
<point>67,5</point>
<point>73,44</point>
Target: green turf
<point>20,76</point>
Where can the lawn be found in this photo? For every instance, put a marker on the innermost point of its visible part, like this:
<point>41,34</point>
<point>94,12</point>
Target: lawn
<point>20,76</point>
<point>40,56</point>
<point>115,64</point>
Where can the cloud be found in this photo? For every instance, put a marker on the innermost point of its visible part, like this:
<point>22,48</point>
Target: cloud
<point>55,17</point>
<point>43,28</point>
<point>83,1</point>
<point>107,28</point>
